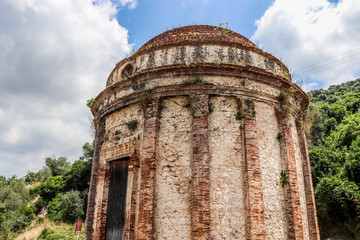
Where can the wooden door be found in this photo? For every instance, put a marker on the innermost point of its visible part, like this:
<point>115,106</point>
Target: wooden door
<point>115,221</point>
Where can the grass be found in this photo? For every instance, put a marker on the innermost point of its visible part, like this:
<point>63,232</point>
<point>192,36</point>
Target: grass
<point>50,230</point>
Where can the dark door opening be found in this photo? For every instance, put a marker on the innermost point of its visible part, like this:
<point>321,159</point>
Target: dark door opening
<point>115,221</point>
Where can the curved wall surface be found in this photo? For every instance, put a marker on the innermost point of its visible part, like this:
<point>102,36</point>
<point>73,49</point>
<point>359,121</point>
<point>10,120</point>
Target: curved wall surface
<point>211,127</point>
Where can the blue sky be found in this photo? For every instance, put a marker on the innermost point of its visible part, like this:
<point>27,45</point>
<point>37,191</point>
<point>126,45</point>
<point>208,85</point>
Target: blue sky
<point>54,55</point>
<point>151,18</point>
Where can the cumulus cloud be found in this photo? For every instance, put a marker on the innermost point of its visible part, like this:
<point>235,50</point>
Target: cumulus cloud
<point>317,39</point>
<point>54,55</point>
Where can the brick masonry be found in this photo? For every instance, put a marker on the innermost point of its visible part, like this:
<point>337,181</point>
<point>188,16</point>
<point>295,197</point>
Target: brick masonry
<point>255,201</point>
<point>200,168</point>
<point>205,161</point>
<point>146,223</point>
<point>309,191</point>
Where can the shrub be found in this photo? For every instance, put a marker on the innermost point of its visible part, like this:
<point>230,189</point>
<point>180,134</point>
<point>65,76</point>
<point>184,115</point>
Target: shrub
<point>54,208</point>
<point>72,205</point>
<point>51,187</point>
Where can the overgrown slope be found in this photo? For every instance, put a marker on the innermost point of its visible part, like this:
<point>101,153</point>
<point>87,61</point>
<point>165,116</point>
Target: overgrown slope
<point>61,189</point>
<point>334,142</point>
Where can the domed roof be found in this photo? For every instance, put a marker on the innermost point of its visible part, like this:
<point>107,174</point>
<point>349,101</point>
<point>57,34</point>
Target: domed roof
<point>196,34</point>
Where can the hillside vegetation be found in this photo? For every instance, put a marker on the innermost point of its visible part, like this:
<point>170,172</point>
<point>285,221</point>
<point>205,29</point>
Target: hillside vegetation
<point>334,141</point>
<point>59,191</point>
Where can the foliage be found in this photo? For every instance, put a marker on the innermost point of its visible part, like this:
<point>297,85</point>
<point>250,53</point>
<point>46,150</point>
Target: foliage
<point>57,166</point>
<point>51,187</point>
<point>13,194</point>
<point>43,174</point>
<point>46,234</point>
<point>67,207</point>
<point>132,125</point>
<point>90,102</point>
<point>54,208</point>
<point>335,159</point>
<point>78,176</point>
<point>60,231</point>
<point>284,179</point>
<point>30,177</point>
<point>72,206</point>
<point>239,116</point>
<point>64,194</point>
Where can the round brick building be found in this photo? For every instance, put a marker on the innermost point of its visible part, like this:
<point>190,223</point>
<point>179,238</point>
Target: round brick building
<point>199,135</point>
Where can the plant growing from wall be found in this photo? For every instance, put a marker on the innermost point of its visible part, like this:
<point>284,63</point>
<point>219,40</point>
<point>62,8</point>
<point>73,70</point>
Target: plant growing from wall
<point>132,125</point>
<point>190,106</point>
<point>223,29</point>
<point>239,116</point>
<point>284,101</point>
<point>90,102</point>
<point>146,99</point>
<point>279,136</point>
<point>284,179</point>
<point>250,108</point>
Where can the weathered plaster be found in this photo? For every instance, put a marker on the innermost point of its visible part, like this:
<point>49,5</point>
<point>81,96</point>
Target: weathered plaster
<point>271,166</point>
<point>226,170</point>
<point>173,179</point>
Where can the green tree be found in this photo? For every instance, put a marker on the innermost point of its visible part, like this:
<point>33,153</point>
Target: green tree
<point>54,208</point>
<point>30,177</point>
<point>78,177</point>
<point>335,159</point>
<point>51,187</point>
<point>72,206</point>
<point>67,207</point>
<point>43,174</point>
<point>57,166</point>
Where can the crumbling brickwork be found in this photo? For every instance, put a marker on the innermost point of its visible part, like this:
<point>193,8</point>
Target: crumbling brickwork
<point>199,114</point>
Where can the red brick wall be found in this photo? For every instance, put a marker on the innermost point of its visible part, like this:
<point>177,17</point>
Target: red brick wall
<point>201,168</point>
<point>255,202</point>
<point>309,191</point>
<point>146,223</point>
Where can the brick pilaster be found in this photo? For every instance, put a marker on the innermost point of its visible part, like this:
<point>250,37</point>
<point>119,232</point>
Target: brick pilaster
<point>146,223</point>
<point>293,207</point>
<point>309,191</point>
<point>103,177</point>
<point>255,223</point>
<point>131,212</point>
<point>99,138</point>
<point>200,169</point>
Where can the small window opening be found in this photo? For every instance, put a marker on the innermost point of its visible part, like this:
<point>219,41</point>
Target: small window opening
<point>127,71</point>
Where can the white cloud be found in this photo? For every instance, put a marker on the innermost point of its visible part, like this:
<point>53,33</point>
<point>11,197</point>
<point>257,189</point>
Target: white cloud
<point>131,3</point>
<point>315,38</point>
<point>54,55</point>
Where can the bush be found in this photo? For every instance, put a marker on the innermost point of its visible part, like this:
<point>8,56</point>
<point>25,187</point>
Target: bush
<point>46,234</point>
<point>58,166</point>
<point>39,205</point>
<point>337,199</point>
<point>34,191</point>
<point>51,187</point>
<point>28,212</point>
<point>54,208</point>
<point>72,206</point>
<point>68,207</point>
<point>43,174</point>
